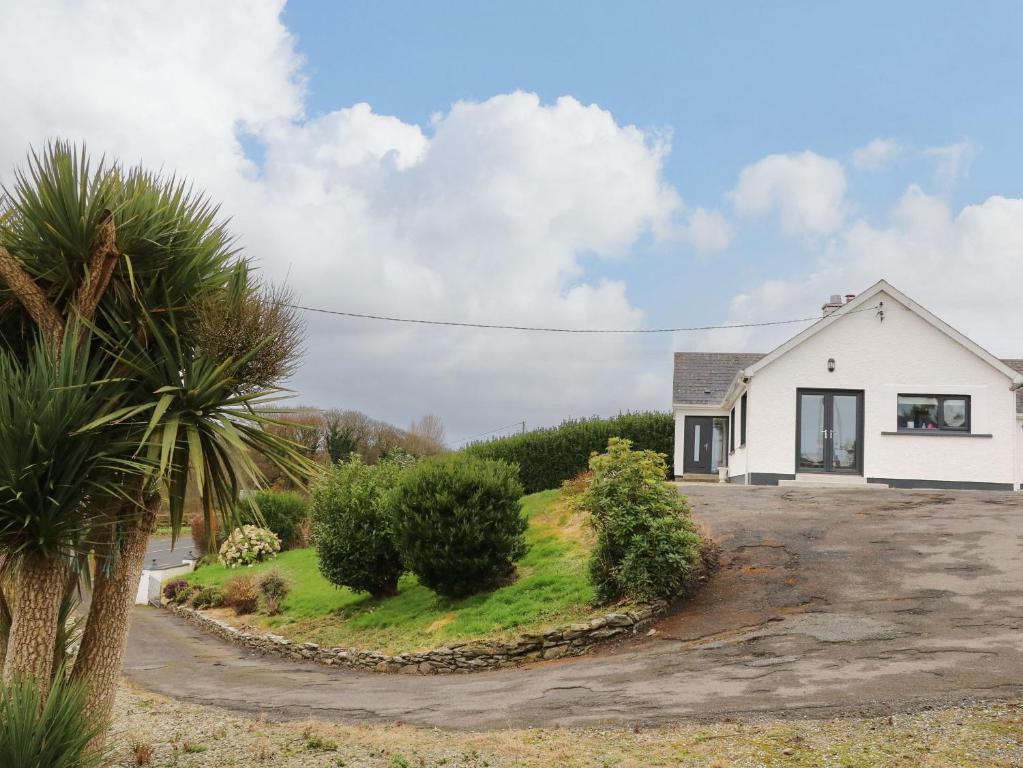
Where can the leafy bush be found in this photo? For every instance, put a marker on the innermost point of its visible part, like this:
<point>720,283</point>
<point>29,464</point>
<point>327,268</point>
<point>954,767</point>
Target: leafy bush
<point>206,597</point>
<point>202,562</point>
<point>176,591</point>
<point>547,457</point>
<point>352,526</point>
<point>242,594</point>
<point>274,588</point>
<point>58,736</point>
<point>283,512</point>
<point>458,523</point>
<point>647,545</point>
<point>249,545</point>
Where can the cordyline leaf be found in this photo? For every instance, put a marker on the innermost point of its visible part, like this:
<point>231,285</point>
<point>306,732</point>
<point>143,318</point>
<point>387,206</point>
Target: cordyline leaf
<point>170,437</point>
<point>153,408</point>
<point>195,456</point>
<point>161,408</point>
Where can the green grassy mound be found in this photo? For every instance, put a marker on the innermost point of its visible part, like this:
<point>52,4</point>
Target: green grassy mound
<point>551,588</point>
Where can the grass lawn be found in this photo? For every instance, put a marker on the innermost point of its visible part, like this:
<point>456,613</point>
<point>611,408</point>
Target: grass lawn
<point>551,588</point>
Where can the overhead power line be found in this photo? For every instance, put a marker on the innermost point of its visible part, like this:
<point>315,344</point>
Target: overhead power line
<point>520,424</point>
<point>543,329</point>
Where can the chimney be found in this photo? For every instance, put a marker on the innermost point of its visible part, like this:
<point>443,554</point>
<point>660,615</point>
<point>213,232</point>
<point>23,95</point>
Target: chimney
<point>849,297</point>
<point>835,302</point>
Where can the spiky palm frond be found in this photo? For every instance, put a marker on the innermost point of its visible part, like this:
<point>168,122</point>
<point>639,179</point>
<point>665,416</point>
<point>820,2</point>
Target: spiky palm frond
<point>199,421</point>
<point>52,468</point>
<point>60,735</point>
<point>186,406</point>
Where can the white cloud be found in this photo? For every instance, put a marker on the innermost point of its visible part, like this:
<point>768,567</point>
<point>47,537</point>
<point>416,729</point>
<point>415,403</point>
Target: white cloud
<point>951,161</point>
<point>965,266</point>
<point>876,154</point>
<point>709,231</point>
<point>486,214</point>
<point>806,190</point>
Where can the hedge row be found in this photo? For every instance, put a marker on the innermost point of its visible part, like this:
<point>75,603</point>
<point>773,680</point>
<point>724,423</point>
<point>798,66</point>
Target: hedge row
<point>548,457</point>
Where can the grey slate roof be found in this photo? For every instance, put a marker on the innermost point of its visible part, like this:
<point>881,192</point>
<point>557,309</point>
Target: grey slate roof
<point>703,378</point>
<point>1017,365</point>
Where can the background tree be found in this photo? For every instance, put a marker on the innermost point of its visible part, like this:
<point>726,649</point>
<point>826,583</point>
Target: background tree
<point>426,436</point>
<point>345,433</point>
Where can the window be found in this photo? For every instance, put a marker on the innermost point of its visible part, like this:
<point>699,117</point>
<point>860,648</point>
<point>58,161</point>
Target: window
<point>742,423</point>
<point>949,413</point>
<point>731,432</point>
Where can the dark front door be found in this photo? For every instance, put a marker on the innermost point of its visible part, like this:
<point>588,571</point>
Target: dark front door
<point>699,438</point>
<point>829,431</point>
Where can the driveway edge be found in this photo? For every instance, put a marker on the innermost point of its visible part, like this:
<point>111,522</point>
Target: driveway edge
<point>555,643</point>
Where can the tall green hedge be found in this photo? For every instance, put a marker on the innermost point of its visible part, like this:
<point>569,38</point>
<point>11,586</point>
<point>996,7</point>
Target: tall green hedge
<point>548,457</point>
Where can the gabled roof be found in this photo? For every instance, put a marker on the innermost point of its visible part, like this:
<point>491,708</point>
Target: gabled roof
<point>700,376</point>
<point>703,378</point>
<point>867,301</point>
<point>1017,365</point>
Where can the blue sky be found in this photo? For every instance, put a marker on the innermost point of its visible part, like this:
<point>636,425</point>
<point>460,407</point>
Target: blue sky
<point>506,162</point>
<point>732,81</point>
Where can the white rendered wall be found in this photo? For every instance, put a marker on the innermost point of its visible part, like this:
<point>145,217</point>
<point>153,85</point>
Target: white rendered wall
<point>1019,454</point>
<point>904,354</point>
<point>738,464</point>
<point>681,411</point>
<point>142,593</point>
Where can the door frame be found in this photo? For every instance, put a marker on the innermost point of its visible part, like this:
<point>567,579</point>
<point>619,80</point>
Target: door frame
<point>828,422</point>
<point>708,422</point>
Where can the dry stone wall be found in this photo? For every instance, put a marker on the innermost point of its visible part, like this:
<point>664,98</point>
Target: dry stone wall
<point>556,643</point>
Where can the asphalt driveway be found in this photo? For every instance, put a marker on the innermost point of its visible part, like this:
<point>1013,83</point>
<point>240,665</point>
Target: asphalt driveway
<point>827,601</point>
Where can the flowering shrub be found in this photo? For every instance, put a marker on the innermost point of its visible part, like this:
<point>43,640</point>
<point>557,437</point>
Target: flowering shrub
<point>249,545</point>
<point>176,591</point>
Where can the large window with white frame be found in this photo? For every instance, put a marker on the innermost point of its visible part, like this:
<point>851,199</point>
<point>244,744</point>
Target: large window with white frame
<point>947,413</point>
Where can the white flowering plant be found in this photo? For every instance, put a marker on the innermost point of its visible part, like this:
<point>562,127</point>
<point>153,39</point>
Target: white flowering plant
<point>249,545</point>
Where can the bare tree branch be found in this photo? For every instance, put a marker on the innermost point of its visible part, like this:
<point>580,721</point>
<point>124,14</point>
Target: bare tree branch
<point>103,258</point>
<point>32,298</point>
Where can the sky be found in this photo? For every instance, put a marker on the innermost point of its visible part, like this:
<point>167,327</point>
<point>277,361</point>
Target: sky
<point>570,164</point>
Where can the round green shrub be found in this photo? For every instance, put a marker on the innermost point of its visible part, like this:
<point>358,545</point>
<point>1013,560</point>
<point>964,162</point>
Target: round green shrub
<point>274,588</point>
<point>458,523</point>
<point>647,545</point>
<point>207,597</point>
<point>283,512</point>
<point>352,526</point>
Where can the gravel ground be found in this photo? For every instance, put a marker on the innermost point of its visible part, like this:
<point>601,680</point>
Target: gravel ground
<point>186,735</point>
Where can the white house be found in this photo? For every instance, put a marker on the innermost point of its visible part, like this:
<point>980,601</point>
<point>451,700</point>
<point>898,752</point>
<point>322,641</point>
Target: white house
<point>878,390</point>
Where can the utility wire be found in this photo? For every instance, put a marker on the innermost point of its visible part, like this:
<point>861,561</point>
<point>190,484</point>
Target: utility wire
<point>492,431</point>
<point>564,330</point>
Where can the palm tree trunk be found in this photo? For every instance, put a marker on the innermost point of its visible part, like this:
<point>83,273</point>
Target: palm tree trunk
<point>113,596</point>
<point>5,613</point>
<point>38,588</point>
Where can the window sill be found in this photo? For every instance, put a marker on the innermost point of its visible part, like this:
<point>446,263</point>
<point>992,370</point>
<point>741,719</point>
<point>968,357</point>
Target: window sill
<point>934,433</point>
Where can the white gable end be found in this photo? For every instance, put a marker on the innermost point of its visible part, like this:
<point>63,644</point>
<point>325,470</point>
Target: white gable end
<point>903,353</point>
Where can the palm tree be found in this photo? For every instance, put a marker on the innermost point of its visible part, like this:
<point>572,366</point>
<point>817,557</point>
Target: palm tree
<point>134,276</point>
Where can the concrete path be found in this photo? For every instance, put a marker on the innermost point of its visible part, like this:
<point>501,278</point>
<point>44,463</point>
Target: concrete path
<point>161,554</point>
<point>827,602</point>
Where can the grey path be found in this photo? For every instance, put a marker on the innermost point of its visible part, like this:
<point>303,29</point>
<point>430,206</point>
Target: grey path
<point>161,554</point>
<point>827,602</point>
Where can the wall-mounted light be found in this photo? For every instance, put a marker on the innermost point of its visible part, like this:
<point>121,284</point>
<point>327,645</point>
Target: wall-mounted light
<point>831,365</point>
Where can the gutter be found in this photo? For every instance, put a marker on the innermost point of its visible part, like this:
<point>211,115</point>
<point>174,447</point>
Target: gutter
<point>1017,384</point>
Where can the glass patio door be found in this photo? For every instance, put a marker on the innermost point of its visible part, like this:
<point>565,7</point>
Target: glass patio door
<point>829,431</point>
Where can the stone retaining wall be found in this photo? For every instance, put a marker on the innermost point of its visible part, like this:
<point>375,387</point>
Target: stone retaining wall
<point>570,640</point>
